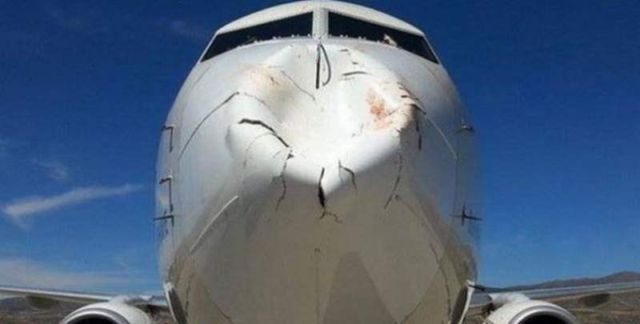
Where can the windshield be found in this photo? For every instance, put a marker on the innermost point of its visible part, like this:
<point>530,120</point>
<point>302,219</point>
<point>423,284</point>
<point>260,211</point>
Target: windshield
<point>343,26</point>
<point>295,26</point>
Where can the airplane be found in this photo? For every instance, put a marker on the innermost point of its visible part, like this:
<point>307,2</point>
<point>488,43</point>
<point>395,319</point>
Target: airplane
<point>318,166</point>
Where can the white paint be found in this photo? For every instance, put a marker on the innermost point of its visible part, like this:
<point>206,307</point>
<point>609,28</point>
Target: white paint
<point>337,207</point>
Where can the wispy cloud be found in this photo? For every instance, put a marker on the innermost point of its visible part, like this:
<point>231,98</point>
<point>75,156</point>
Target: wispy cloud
<point>5,145</point>
<point>55,170</point>
<point>21,208</point>
<point>187,30</point>
<point>26,273</point>
<point>78,17</point>
<point>134,257</point>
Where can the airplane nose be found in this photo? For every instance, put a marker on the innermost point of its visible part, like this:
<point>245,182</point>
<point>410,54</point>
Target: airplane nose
<point>334,197</point>
<point>327,133</point>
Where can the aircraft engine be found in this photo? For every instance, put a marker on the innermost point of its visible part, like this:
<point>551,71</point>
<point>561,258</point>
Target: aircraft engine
<point>108,313</point>
<point>530,312</point>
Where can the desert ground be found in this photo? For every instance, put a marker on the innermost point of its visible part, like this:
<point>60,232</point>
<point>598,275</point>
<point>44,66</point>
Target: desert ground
<point>618,309</point>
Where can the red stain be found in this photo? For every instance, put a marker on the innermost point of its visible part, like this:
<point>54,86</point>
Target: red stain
<point>377,107</point>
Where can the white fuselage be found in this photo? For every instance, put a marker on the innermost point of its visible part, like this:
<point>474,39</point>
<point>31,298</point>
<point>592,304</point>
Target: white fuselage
<point>284,202</point>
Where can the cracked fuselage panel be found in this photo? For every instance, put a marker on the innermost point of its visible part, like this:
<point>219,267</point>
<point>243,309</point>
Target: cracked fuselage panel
<point>297,204</point>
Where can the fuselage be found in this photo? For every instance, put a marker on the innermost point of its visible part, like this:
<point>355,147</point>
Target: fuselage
<point>316,178</point>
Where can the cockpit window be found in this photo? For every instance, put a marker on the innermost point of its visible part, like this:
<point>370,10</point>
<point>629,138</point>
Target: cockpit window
<point>295,26</point>
<point>343,26</point>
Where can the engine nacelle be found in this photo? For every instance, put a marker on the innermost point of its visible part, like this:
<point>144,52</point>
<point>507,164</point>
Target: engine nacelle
<point>531,312</point>
<point>107,313</point>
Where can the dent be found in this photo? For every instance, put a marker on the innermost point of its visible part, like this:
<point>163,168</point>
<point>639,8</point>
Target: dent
<point>267,127</point>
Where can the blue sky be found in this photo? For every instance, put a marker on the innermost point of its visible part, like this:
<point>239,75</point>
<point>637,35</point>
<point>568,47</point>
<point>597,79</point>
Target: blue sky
<point>553,86</point>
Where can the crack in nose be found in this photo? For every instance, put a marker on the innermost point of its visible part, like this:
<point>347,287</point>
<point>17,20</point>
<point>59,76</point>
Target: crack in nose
<point>321,196</point>
<point>264,125</point>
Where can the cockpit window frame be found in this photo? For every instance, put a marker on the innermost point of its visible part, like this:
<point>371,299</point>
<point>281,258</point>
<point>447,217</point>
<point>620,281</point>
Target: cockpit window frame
<point>305,25</point>
<point>227,41</point>
<point>363,29</point>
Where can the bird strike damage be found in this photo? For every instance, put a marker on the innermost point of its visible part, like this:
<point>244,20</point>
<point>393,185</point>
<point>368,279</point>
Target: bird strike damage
<point>322,199</point>
<point>377,107</point>
<point>267,127</point>
<point>419,132</point>
<point>295,84</point>
<point>351,173</point>
<point>396,182</point>
<point>206,117</point>
<point>339,190</point>
<point>284,180</point>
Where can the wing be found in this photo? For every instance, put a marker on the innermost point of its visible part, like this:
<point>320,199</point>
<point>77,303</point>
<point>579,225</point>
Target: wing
<point>486,299</point>
<point>44,297</point>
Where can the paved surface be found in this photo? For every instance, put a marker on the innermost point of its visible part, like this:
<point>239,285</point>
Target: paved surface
<point>620,309</point>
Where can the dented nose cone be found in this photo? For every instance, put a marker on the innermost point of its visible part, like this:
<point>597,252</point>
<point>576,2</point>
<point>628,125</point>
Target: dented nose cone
<point>325,128</point>
<point>321,205</point>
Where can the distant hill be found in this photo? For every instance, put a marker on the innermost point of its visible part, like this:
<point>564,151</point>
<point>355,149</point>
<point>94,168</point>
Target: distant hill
<point>14,305</point>
<point>16,310</point>
<point>620,309</point>
<point>620,277</point>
